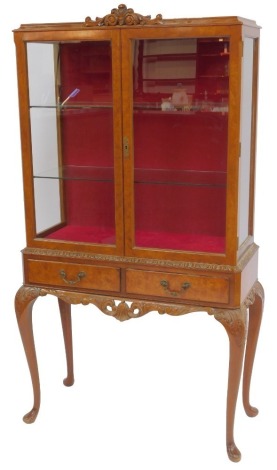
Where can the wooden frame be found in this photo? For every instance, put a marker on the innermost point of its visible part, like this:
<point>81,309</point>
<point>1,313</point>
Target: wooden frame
<point>169,281</point>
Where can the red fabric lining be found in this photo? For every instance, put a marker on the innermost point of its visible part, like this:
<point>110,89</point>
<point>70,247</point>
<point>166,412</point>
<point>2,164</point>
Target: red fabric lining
<point>181,241</point>
<point>162,240</point>
<point>170,216</point>
<point>87,136</point>
<point>179,141</point>
<point>89,203</point>
<point>198,210</point>
<point>85,234</point>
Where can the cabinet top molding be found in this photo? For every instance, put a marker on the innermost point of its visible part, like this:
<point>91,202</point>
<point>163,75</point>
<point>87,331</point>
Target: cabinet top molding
<point>123,17</point>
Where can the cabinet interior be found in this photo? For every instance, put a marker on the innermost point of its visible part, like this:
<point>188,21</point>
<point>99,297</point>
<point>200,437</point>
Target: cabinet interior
<point>180,132</point>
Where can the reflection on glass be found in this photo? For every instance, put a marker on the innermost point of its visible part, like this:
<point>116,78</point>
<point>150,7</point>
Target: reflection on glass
<point>72,140</point>
<point>246,135</point>
<point>180,118</point>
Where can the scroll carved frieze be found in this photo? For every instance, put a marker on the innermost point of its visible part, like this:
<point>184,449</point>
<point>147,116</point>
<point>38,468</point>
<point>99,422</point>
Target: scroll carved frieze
<point>123,16</point>
<point>234,320</point>
<point>120,309</point>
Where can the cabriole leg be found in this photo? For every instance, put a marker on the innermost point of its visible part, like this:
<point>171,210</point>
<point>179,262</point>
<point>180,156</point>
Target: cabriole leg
<point>255,318</point>
<point>235,323</point>
<point>24,300</point>
<point>65,312</point>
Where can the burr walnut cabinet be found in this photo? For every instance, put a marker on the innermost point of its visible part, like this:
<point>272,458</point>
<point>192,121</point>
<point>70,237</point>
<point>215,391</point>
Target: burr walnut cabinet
<point>138,150</point>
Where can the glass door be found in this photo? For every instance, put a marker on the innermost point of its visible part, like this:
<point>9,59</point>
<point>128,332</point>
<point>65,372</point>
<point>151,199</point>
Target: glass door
<point>179,145</point>
<point>75,138</point>
<point>248,140</point>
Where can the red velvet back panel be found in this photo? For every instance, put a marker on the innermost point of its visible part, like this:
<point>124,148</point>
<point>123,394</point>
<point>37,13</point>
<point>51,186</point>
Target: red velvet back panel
<point>87,132</point>
<point>181,141</point>
<point>180,198</point>
<point>194,148</point>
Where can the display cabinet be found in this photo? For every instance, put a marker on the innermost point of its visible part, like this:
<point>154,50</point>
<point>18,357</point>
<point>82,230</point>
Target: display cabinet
<point>138,149</point>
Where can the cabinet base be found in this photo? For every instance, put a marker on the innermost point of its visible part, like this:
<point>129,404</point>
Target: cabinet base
<point>241,324</point>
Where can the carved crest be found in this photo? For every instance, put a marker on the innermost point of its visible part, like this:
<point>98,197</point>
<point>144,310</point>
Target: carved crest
<point>123,16</point>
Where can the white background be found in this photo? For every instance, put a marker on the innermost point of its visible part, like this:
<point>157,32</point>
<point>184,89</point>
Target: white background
<point>150,393</point>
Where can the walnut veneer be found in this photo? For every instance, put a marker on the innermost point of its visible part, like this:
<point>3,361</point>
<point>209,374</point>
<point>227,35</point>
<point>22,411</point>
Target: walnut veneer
<point>139,189</point>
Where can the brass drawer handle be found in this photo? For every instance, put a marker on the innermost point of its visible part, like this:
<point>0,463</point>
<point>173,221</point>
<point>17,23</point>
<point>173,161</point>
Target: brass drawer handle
<point>80,276</point>
<point>165,285</point>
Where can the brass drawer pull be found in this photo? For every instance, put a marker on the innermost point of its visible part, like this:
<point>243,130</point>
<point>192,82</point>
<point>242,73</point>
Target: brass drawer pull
<point>165,285</point>
<point>80,275</point>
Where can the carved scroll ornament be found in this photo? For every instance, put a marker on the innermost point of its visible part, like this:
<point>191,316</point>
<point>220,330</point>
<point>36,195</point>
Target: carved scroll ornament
<point>123,16</point>
<point>122,310</point>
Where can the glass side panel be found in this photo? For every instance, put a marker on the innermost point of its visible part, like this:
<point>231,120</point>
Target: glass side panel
<point>246,136</point>
<point>180,121</point>
<point>71,113</point>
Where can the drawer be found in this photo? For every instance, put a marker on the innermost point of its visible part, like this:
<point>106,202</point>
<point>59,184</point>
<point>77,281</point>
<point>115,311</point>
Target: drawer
<point>81,276</point>
<point>201,288</point>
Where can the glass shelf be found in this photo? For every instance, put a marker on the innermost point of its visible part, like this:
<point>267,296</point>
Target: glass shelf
<point>180,177</point>
<point>155,108</point>
<point>170,57</point>
<point>216,54</point>
<point>213,76</point>
<point>141,175</point>
<point>73,172</point>
<point>74,106</point>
